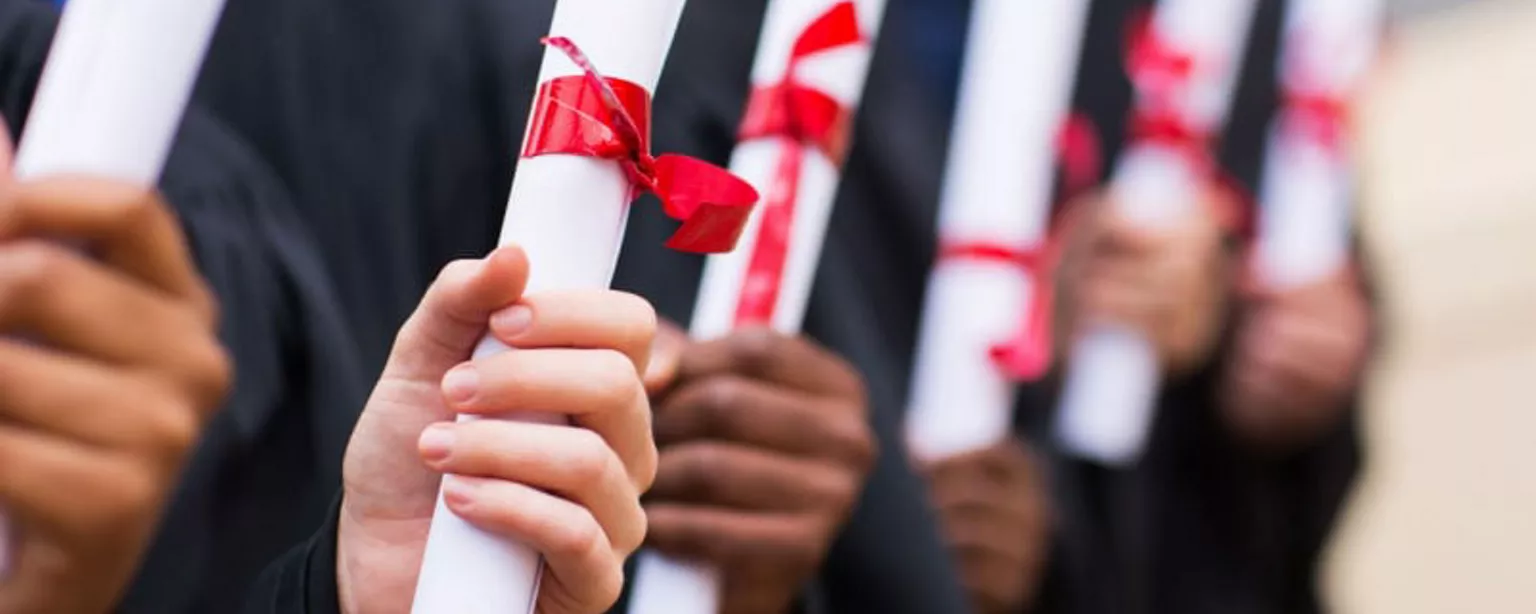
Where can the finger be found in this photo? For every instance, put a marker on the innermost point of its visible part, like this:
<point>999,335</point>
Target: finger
<point>1003,464</point>
<point>453,315</point>
<point>61,396</point>
<point>726,538</point>
<point>970,490</point>
<point>666,355</point>
<point>1304,354</point>
<point>581,561</point>
<point>54,295</point>
<point>593,319</point>
<point>740,477</point>
<point>1107,302</point>
<point>571,462</point>
<point>127,226</point>
<point>991,531</point>
<point>43,480</point>
<point>736,409</point>
<point>599,389</point>
<point>1120,236</point>
<point>763,354</point>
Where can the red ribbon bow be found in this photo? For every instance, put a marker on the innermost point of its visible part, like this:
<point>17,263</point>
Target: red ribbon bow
<point>1161,73</point>
<point>801,116</point>
<point>590,115</point>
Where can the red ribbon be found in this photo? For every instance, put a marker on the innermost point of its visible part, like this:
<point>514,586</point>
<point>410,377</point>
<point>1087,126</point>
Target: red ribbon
<point>801,116</point>
<point>1026,355</point>
<point>1161,72</point>
<point>1320,116</point>
<point>593,116</point>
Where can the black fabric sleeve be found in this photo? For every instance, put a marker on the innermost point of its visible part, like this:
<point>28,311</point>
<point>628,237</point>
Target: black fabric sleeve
<point>303,581</point>
<point>26,31</point>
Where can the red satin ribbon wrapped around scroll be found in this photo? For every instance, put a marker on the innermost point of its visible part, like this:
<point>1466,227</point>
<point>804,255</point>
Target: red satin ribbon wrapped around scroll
<point>1026,355</point>
<point>1161,72</point>
<point>802,116</point>
<point>599,117</point>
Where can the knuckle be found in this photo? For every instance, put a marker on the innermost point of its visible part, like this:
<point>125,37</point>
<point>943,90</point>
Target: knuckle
<point>590,459</point>
<point>719,397</point>
<point>577,537</point>
<point>456,270</point>
<point>696,474</point>
<point>139,208</point>
<point>644,322</point>
<point>646,467</point>
<point>212,373</point>
<point>616,384</point>
<point>753,349</point>
<point>134,494</point>
<point>35,267</point>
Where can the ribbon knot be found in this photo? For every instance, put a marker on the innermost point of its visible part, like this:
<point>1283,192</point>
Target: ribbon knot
<point>1162,72</point>
<point>595,116</point>
<point>802,116</point>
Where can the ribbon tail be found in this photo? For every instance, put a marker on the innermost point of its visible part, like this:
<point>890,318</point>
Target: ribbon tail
<point>1027,356</point>
<point>759,297</point>
<point>712,204</point>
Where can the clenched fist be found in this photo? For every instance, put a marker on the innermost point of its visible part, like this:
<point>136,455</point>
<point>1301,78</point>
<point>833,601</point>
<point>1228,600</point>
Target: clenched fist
<point>765,447</point>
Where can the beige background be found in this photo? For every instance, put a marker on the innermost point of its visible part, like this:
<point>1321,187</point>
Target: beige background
<point>1445,521</point>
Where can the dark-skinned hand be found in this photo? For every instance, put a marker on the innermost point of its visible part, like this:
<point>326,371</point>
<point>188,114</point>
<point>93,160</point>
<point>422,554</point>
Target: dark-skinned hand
<point>1298,359</point>
<point>995,514</point>
<point>765,446</point>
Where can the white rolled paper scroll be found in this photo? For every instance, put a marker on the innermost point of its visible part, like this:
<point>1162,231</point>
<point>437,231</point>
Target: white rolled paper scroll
<point>1108,398</point>
<point>568,214</point>
<point>1304,212</point>
<point>113,91</point>
<point>663,585</point>
<point>1015,95</point>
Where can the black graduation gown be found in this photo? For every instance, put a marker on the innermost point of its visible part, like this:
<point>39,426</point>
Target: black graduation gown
<point>246,493</point>
<point>396,125</point>
<point>1201,525</point>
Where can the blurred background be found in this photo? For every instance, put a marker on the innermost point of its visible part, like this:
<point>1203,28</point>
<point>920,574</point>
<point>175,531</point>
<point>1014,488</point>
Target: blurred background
<point>1444,516</point>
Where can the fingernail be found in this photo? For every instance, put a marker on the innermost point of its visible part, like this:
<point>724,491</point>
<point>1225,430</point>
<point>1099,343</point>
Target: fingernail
<point>512,321</point>
<point>461,384</point>
<point>459,492</point>
<point>436,442</point>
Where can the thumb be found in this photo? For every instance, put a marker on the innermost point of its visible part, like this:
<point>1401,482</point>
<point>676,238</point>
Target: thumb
<point>455,312</point>
<point>666,355</point>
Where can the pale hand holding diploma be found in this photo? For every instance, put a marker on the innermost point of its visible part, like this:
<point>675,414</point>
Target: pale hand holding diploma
<point>113,92</point>
<point>990,279</point>
<point>1304,223</point>
<point>1185,66</point>
<point>585,157</point>
<point>807,79</point>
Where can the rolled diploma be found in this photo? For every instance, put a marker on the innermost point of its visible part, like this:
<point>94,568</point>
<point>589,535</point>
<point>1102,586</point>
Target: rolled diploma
<point>663,585</point>
<point>113,91</point>
<point>1015,93</point>
<point>1304,223</point>
<point>568,214</point>
<point>1112,382</point>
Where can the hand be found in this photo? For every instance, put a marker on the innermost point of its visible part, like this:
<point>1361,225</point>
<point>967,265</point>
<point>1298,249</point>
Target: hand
<point>765,446</point>
<point>110,366</point>
<point>569,492</point>
<point>1298,358</point>
<point>1168,282</point>
<point>993,507</point>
